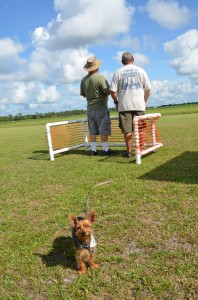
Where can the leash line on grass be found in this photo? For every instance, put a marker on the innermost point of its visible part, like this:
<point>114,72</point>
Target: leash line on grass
<point>88,195</point>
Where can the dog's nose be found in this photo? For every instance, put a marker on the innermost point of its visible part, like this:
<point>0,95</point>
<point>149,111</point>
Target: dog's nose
<point>84,233</point>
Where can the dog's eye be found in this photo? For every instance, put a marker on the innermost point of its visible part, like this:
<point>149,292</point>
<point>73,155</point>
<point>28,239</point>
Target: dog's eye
<point>78,228</point>
<point>88,226</point>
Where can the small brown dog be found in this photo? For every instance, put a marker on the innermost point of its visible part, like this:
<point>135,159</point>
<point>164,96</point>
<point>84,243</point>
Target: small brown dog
<point>84,241</point>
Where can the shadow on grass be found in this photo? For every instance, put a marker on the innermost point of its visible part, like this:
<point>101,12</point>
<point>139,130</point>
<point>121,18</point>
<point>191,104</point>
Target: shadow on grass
<point>182,168</point>
<point>40,155</point>
<point>61,254</point>
<point>44,154</point>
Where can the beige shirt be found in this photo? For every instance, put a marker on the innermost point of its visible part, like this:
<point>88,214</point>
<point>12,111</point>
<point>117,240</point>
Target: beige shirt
<point>130,82</point>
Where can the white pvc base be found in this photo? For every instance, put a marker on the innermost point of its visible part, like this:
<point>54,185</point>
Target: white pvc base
<point>138,159</point>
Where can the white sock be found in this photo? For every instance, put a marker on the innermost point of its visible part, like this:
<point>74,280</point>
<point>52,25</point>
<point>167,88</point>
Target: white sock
<point>105,146</point>
<point>93,146</point>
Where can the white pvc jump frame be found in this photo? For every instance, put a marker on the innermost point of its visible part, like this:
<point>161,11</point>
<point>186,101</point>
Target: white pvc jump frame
<point>138,152</point>
<point>155,145</point>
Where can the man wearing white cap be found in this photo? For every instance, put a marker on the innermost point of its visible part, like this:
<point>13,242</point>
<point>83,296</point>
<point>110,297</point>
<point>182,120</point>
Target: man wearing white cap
<point>95,88</point>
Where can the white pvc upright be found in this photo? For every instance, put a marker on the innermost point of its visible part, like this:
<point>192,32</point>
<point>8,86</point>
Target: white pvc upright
<point>86,142</point>
<point>49,140</point>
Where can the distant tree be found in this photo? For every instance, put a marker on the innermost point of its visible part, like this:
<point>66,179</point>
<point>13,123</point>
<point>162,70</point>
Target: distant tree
<point>53,114</point>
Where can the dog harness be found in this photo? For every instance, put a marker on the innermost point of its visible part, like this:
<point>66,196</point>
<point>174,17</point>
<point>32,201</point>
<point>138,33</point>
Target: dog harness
<point>80,245</point>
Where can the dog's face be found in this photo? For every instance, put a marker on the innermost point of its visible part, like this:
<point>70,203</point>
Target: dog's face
<point>82,227</point>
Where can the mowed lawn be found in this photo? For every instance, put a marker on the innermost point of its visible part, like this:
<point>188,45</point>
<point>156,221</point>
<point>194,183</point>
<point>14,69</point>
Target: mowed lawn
<point>146,226</point>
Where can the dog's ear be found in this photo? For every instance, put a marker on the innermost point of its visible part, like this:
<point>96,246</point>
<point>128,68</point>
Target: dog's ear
<point>72,220</point>
<point>91,216</point>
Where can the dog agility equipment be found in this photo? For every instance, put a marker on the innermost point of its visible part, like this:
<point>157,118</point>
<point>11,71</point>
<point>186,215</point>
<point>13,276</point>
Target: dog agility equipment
<point>68,135</point>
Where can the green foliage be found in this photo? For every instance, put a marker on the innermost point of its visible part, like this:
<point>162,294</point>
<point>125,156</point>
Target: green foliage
<point>166,109</point>
<point>37,115</point>
<point>145,227</point>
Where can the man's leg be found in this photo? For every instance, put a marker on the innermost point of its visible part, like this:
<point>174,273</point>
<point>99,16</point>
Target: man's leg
<point>104,128</point>
<point>125,124</point>
<point>104,140</point>
<point>92,129</point>
<point>128,141</point>
<point>93,142</point>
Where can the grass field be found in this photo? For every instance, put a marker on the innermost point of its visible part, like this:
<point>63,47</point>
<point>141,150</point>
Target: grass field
<point>146,226</point>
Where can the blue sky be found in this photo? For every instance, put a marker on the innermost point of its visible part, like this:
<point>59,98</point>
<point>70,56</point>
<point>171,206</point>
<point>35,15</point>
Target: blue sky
<point>44,45</point>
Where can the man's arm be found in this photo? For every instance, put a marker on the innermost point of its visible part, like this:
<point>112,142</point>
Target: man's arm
<point>82,93</point>
<point>115,99</point>
<point>104,85</point>
<point>146,95</point>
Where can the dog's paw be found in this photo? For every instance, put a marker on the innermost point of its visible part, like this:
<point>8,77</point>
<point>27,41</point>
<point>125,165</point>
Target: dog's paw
<point>95,266</point>
<point>81,272</point>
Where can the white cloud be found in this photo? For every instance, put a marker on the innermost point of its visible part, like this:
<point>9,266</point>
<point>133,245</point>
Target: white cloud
<point>33,106</point>
<point>3,106</point>
<point>48,95</point>
<point>40,34</point>
<point>172,92</point>
<point>118,57</point>
<point>168,14</point>
<point>140,59</point>
<point>9,56</point>
<point>150,42</point>
<point>3,102</point>
<point>19,94</point>
<point>67,8</point>
<point>129,42</point>
<point>72,65</point>
<point>38,67</point>
<point>184,49</point>
<point>73,89</point>
<point>16,92</point>
<point>9,48</point>
<point>83,22</point>
<point>57,67</point>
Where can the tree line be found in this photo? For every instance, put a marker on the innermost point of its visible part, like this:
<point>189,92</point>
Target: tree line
<point>37,115</point>
<point>76,112</point>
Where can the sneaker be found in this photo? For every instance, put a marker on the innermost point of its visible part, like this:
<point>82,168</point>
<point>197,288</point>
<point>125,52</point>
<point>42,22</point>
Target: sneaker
<point>108,152</point>
<point>94,153</point>
<point>128,154</point>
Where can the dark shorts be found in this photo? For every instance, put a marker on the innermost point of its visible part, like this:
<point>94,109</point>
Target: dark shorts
<point>126,120</point>
<point>99,122</point>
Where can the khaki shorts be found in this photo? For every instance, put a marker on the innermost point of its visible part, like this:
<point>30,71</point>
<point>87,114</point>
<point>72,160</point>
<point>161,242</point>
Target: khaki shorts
<point>99,122</point>
<point>126,120</point>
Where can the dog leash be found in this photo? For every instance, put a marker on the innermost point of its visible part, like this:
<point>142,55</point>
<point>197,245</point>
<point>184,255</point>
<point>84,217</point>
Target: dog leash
<point>88,195</point>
